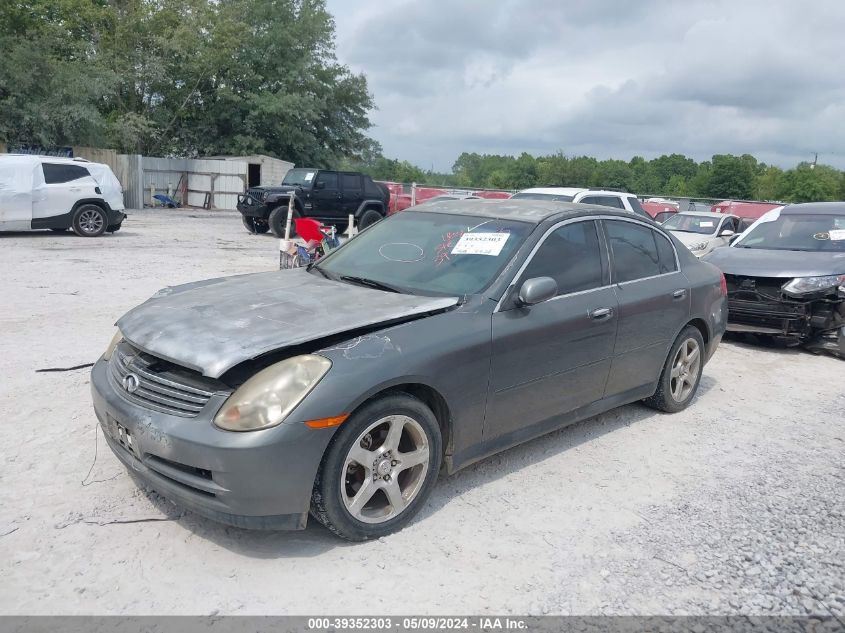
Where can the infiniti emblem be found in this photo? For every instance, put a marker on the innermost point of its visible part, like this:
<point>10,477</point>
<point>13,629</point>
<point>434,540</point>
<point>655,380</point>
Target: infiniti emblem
<point>131,383</point>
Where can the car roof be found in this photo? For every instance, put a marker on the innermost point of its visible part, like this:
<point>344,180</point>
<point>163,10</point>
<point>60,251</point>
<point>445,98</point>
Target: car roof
<point>533,211</point>
<point>817,208</point>
<point>38,158</point>
<point>707,214</point>
<point>573,191</point>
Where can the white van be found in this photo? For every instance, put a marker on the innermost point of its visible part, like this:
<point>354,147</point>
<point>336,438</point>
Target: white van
<point>42,192</point>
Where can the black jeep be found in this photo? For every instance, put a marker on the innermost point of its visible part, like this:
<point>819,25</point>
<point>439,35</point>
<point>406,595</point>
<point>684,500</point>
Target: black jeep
<point>328,196</point>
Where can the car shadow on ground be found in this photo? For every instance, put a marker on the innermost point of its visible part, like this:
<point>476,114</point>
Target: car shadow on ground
<point>316,539</point>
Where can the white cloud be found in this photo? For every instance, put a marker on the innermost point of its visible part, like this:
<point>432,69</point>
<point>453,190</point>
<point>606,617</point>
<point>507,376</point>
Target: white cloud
<point>606,78</point>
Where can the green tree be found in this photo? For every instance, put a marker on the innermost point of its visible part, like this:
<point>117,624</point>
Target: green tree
<point>731,177</point>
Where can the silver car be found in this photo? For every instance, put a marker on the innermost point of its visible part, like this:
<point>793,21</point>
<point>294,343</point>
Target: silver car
<point>436,337</point>
<point>702,231</point>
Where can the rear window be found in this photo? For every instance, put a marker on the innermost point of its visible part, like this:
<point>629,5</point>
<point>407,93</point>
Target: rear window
<point>55,173</point>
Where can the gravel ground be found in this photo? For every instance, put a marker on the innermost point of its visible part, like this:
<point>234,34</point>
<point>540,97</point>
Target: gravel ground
<point>732,506</point>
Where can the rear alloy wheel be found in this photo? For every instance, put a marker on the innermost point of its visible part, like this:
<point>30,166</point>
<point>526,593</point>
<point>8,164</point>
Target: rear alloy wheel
<point>89,221</point>
<point>370,217</point>
<point>379,469</point>
<point>681,373</point>
<point>255,225</point>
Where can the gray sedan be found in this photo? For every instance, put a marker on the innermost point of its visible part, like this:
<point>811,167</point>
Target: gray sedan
<point>437,337</point>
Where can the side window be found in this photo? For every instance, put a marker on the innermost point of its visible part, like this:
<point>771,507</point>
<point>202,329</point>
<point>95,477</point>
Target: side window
<point>55,173</point>
<point>729,225</point>
<point>351,182</point>
<point>634,251</point>
<point>327,177</point>
<point>604,201</point>
<point>571,256</point>
<point>589,200</point>
<point>666,254</point>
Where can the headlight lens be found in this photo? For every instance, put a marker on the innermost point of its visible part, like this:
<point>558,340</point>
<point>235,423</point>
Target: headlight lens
<point>117,338</point>
<point>806,285</point>
<point>270,395</point>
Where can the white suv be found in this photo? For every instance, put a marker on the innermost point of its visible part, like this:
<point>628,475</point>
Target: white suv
<point>42,192</point>
<point>601,197</point>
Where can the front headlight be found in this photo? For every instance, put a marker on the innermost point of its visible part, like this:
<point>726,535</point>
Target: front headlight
<point>807,285</point>
<point>698,246</point>
<point>117,338</point>
<point>270,395</point>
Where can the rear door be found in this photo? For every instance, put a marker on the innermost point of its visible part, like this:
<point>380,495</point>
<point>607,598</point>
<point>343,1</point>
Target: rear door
<point>64,184</point>
<point>17,179</point>
<point>654,302</point>
<point>554,357</point>
<point>353,192</point>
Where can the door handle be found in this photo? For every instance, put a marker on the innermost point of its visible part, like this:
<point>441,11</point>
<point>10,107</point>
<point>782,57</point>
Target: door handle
<point>600,314</point>
<point>680,293</point>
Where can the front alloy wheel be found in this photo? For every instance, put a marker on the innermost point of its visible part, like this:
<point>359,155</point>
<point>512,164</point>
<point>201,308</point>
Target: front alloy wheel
<point>384,469</point>
<point>379,468</point>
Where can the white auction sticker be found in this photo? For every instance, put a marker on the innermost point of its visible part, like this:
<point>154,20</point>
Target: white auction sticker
<point>481,244</point>
<point>309,176</point>
<point>837,234</point>
<point>705,224</point>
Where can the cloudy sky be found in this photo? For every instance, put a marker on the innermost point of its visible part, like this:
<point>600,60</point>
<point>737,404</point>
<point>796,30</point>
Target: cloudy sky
<point>611,79</point>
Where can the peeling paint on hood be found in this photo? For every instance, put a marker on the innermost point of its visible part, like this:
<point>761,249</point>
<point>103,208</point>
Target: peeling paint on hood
<point>213,325</point>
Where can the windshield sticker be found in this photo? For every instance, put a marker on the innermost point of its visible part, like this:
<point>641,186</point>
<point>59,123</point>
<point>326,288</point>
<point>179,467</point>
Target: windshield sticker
<point>481,244</point>
<point>706,224</point>
<point>309,176</point>
<point>837,235</point>
<point>442,250</point>
<point>403,252</point>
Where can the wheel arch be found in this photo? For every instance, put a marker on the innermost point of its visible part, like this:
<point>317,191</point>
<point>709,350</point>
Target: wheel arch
<point>367,205</point>
<point>701,326</point>
<point>429,396</point>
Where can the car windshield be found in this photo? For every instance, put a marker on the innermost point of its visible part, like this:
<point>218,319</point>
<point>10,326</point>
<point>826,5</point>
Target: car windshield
<point>299,177</point>
<point>427,253</point>
<point>794,232</point>
<point>703,224</point>
<point>527,195</point>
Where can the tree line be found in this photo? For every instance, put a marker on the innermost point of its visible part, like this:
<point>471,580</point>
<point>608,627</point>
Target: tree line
<point>724,176</point>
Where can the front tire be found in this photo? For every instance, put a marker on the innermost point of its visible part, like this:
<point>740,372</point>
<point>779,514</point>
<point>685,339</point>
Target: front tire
<point>379,469</point>
<point>89,221</point>
<point>279,217</point>
<point>255,225</point>
<point>681,373</point>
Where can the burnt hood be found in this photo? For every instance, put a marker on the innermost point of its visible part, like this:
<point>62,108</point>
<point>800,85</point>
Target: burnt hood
<point>213,325</point>
<point>756,262</point>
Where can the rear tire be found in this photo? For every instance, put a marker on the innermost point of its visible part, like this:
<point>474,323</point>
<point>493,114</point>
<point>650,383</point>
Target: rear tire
<point>370,217</point>
<point>278,218</point>
<point>379,469</point>
<point>89,221</point>
<point>681,373</point>
<point>255,225</point>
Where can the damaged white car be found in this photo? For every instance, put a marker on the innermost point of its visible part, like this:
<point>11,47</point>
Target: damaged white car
<point>43,192</point>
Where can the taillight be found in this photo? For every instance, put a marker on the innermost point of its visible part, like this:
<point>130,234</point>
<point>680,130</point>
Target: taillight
<point>723,285</point>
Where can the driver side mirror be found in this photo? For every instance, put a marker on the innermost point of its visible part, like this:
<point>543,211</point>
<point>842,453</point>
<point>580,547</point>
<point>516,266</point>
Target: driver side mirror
<point>536,290</point>
<point>726,233</point>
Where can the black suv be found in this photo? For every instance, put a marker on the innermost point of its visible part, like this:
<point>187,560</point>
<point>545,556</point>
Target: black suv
<point>328,196</point>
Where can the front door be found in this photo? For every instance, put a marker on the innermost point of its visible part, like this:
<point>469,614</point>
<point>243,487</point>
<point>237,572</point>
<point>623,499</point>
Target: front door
<point>325,196</point>
<point>654,303</point>
<point>553,357</point>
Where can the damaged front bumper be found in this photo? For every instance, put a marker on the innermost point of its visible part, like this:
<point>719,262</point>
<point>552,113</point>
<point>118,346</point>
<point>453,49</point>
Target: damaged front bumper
<point>759,305</point>
<point>256,480</point>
